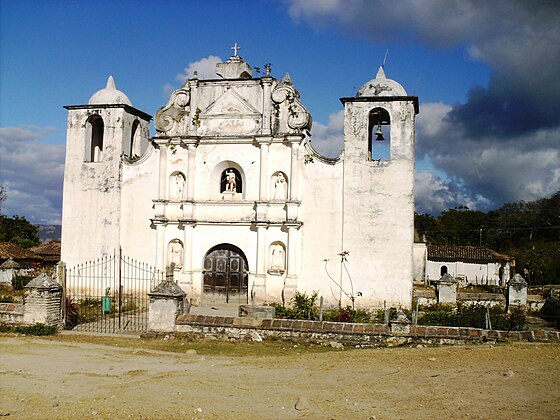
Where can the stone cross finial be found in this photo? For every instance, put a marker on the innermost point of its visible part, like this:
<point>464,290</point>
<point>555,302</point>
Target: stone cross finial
<point>235,48</point>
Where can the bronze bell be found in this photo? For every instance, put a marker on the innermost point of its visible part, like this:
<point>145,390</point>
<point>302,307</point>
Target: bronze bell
<point>379,133</point>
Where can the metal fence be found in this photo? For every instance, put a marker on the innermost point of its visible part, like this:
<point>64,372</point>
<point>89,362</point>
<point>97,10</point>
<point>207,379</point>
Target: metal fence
<point>109,294</point>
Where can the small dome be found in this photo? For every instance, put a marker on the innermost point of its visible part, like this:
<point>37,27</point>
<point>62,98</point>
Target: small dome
<point>381,86</point>
<point>109,95</point>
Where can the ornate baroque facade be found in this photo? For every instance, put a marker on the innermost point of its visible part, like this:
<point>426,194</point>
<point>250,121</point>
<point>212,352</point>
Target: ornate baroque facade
<point>231,192</point>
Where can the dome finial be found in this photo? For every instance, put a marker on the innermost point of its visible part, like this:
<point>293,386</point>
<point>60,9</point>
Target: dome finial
<point>111,83</point>
<point>381,73</point>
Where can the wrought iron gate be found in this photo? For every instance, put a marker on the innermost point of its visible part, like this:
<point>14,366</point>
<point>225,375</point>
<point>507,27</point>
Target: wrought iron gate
<point>109,294</point>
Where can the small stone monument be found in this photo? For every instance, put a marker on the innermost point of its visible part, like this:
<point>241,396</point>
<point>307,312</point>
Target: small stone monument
<point>400,324</point>
<point>43,301</point>
<point>166,303</point>
<point>517,291</point>
<point>446,288</point>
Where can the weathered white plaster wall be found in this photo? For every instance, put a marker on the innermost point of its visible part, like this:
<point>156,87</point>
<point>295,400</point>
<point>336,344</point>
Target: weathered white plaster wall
<point>474,273</point>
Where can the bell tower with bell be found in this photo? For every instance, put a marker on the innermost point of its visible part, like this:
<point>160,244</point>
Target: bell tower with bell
<point>378,188</point>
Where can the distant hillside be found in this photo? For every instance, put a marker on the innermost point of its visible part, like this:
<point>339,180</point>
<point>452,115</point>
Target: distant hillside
<point>49,232</point>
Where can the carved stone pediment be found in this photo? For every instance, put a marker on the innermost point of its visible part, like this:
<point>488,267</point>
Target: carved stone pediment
<point>229,115</point>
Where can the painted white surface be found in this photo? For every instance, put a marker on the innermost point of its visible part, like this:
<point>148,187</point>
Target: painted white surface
<point>259,127</point>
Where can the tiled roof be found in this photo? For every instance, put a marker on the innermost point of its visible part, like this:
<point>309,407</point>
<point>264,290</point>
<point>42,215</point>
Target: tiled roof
<point>9,250</point>
<point>463,253</point>
<point>49,251</point>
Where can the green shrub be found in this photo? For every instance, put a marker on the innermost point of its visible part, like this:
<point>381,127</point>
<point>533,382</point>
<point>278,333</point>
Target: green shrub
<point>474,316</point>
<point>19,282</point>
<point>347,314</point>
<point>36,329</point>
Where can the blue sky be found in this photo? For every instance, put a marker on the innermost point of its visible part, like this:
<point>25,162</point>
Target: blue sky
<point>476,68</point>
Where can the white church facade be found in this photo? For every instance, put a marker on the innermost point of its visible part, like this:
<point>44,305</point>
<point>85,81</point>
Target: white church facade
<point>231,193</point>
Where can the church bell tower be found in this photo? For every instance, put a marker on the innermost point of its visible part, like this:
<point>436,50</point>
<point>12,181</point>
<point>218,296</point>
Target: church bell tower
<point>378,187</point>
<point>101,135</point>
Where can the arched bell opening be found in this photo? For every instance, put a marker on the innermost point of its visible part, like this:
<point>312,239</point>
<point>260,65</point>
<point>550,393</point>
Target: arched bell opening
<point>379,135</point>
<point>94,139</point>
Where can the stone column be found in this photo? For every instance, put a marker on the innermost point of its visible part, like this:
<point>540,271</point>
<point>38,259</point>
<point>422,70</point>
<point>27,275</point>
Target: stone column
<point>267,83</point>
<point>160,244</point>
<point>43,301</point>
<point>263,181</point>
<point>166,303</point>
<point>517,291</point>
<point>294,166</point>
<point>194,105</point>
<point>259,284</point>
<point>191,170</point>
<point>162,183</point>
<point>290,285</point>
<point>187,257</point>
<point>446,289</point>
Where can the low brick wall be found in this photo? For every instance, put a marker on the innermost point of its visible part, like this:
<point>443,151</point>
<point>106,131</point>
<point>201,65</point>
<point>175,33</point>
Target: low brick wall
<point>11,313</point>
<point>198,327</point>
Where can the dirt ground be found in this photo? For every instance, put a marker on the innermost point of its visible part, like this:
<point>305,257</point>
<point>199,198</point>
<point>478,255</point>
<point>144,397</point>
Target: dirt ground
<point>61,378</point>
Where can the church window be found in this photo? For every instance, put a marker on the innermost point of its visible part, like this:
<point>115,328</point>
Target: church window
<point>94,139</point>
<point>230,181</point>
<point>379,135</point>
<point>443,270</point>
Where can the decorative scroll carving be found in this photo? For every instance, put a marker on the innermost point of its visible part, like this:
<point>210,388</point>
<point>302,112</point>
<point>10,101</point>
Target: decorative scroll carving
<point>168,117</point>
<point>298,117</point>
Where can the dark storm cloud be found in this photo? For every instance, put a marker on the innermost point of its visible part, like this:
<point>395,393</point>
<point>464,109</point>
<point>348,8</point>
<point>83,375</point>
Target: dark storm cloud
<point>32,173</point>
<point>503,143</point>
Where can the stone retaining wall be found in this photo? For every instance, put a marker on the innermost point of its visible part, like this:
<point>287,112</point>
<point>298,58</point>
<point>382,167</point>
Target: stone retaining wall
<point>198,327</point>
<point>11,313</point>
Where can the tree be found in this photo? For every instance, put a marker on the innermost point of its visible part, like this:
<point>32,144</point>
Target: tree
<point>18,231</point>
<point>2,195</point>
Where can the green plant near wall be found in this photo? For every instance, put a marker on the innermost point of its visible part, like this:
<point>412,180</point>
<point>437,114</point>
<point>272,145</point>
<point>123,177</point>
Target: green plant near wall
<point>36,329</point>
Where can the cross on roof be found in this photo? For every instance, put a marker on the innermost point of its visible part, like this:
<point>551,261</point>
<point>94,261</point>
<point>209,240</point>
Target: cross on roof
<point>235,48</point>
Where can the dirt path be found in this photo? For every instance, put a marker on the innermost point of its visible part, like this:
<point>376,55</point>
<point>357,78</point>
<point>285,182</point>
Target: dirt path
<point>53,379</point>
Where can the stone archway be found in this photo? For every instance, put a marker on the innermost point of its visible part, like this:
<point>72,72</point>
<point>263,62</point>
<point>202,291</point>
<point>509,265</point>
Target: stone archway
<point>226,274</point>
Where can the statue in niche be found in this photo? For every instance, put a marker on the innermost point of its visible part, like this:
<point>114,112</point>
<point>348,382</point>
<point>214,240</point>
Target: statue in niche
<point>175,254</point>
<point>280,185</point>
<point>179,186</point>
<point>230,181</point>
<point>277,260</point>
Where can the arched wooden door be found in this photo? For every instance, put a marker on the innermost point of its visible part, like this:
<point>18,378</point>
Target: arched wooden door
<point>225,273</point>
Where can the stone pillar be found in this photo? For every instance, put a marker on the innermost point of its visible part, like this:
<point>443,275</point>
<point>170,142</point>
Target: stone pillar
<point>400,324</point>
<point>259,284</point>
<point>43,301</point>
<point>517,291</point>
<point>294,167</point>
<point>162,180</point>
<point>191,170</point>
<point>160,245</point>
<point>290,285</point>
<point>166,303</point>
<point>263,181</point>
<point>446,289</point>
<point>187,257</point>
<point>267,102</point>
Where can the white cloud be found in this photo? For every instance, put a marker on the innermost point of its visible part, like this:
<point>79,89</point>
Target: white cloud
<point>328,139</point>
<point>205,68</point>
<point>32,173</point>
